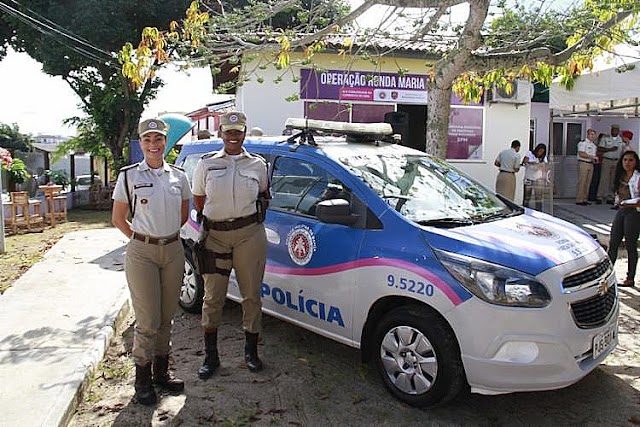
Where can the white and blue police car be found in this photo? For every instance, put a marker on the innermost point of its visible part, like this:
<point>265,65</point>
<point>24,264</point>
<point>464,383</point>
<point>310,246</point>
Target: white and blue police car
<point>440,283</point>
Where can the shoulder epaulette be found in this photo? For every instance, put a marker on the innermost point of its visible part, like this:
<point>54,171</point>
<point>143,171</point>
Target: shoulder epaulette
<point>129,167</point>
<point>176,167</point>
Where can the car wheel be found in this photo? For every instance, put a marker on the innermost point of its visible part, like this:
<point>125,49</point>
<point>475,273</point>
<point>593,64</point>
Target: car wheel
<point>192,291</point>
<point>417,357</point>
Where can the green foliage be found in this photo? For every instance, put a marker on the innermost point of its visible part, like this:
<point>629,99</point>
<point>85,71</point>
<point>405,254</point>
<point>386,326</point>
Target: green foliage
<point>59,177</point>
<point>12,139</point>
<point>171,156</point>
<point>17,172</point>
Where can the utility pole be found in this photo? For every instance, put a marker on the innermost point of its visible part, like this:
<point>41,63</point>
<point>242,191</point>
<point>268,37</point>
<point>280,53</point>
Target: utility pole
<point>2,247</point>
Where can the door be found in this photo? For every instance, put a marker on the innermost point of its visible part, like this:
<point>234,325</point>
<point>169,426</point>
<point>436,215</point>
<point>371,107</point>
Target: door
<point>310,276</point>
<point>566,137</point>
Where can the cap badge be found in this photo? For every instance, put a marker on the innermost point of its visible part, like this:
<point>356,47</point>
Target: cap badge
<point>153,125</point>
<point>233,118</point>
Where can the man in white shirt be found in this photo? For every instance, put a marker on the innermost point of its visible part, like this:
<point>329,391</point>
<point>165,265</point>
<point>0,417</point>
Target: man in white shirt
<point>587,150</point>
<point>508,161</point>
<point>610,148</point>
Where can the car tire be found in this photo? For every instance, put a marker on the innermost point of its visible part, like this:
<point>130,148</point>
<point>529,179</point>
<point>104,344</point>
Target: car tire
<point>192,291</point>
<point>418,357</point>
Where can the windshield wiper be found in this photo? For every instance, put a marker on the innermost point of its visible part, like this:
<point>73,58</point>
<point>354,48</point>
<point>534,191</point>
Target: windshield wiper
<point>497,215</point>
<point>447,222</point>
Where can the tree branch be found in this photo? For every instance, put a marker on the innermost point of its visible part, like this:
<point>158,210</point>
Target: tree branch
<point>490,61</point>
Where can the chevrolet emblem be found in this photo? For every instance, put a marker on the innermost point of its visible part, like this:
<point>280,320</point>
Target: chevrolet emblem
<point>603,287</point>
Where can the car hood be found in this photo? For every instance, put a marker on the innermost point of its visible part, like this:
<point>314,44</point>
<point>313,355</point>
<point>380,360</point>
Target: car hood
<point>532,242</point>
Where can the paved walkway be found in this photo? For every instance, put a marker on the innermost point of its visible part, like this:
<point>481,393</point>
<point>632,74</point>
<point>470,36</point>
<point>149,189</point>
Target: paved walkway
<point>55,324</point>
<point>57,319</point>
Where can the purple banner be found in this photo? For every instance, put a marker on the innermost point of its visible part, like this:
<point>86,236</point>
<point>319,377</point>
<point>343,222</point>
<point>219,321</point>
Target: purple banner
<point>363,86</point>
<point>465,133</point>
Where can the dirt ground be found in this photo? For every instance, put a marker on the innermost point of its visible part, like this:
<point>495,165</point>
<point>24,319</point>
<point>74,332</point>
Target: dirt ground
<point>309,380</point>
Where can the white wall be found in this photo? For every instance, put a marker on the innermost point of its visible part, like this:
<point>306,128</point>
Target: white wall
<point>265,103</point>
<point>502,124</point>
<point>540,114</point>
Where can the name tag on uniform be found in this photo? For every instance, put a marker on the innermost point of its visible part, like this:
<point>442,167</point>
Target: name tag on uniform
<point>143,185</point>
<point>217,168</point>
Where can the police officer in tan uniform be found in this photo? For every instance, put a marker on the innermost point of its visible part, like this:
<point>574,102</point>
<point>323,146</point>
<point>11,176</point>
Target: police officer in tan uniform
<point>229,188</point>
<point>156,195</point>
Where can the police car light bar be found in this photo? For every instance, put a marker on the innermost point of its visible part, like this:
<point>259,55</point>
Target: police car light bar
<point>363,129</point>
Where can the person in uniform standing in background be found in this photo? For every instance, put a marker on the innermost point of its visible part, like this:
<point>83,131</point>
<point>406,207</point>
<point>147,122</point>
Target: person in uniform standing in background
<point>609,148</point>
<point>156,194</point>
<point>586,158</point>
<point>230,190</point>
<point>627,136</point>
<point>508,162</point>
<point>535,176</point>
<point>627,220</point>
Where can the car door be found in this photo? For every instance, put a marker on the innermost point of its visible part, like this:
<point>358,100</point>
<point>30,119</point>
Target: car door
<point>310,275</point>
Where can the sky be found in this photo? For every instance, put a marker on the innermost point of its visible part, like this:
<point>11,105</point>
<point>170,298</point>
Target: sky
<point>38,103</point>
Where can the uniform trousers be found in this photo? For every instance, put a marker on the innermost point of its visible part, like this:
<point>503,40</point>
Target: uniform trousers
<point>248,246</point>
<point>626,224</point>
<point>605,190</point>
<point>506,184</point>
<point>154,274</point>
<point>585,171</point>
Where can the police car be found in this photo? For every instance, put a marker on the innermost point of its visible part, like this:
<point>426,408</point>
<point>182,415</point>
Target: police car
<point>440,283</point>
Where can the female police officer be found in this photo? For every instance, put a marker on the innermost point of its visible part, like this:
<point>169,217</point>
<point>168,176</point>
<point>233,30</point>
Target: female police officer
<point>157,196</point>
<point>227,186</point>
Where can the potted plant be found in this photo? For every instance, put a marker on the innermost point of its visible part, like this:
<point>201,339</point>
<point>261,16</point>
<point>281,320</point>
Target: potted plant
<point>16,169</point>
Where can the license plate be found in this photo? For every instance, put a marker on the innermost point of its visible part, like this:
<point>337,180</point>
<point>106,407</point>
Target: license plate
<point>603,341</point>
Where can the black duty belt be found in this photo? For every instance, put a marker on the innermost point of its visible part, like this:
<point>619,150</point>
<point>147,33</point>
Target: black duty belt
<point>154,240</point>
<point>506,171</point>
<point>585,161</point>
<point>232,224</point>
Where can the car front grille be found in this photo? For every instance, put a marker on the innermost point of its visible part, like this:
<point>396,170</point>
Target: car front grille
<point>589,275</point>
<point>595,311</point>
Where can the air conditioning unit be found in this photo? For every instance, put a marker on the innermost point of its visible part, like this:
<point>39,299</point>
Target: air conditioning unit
<point>521,93</point>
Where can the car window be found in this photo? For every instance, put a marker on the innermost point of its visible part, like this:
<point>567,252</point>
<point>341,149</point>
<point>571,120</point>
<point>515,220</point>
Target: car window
<point>299,185</point>
<point>189,164</point>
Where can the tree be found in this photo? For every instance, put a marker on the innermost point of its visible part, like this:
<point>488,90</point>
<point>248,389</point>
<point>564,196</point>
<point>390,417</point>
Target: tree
<point>493,45</point>
<point>79,40</point>
<point>12,139</point>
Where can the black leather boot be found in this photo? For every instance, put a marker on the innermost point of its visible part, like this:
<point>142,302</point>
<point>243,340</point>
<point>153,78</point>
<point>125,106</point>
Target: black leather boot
<point>145,394</point>
<point>165,378</point>
<point>251,352</point>
<point>211,360</point>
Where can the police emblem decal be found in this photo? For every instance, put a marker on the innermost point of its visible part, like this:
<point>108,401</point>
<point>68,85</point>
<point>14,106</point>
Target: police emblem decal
<point>301,244</point>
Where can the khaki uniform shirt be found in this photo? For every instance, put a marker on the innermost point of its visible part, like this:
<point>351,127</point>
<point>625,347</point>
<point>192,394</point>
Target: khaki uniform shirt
<point>612,141</point>
<point>230,183</point>
<point>156,197</point>
<point>509,160</point>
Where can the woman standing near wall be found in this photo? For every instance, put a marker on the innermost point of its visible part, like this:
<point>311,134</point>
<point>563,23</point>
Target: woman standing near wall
<point>627,220</point>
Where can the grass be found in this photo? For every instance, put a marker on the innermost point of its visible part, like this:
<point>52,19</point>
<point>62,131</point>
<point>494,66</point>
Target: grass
<point>22,250</point>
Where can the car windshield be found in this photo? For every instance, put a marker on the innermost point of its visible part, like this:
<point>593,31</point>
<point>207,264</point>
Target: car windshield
<point>427,190</point>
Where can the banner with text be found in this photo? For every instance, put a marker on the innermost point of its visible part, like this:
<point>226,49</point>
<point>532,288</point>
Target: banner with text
<point>465,133</point>
<point>363,86</point>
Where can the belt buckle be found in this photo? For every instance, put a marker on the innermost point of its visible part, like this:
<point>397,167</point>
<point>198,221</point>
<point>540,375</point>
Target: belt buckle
<point>162,241</point>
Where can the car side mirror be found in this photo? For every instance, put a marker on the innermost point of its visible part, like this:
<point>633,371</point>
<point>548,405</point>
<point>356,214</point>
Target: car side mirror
<point>336,211</point>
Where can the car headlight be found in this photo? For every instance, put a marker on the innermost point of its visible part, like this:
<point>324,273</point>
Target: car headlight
<point>495,283</point>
